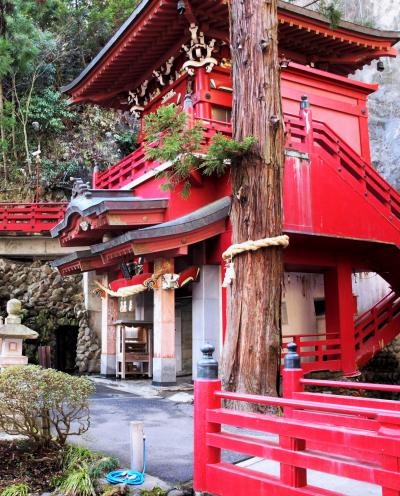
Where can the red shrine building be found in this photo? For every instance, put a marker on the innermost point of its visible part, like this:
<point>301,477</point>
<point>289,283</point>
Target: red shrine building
<point>156,257</point>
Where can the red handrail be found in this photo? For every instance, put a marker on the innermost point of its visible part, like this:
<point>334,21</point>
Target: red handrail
<point>324,140</point>
<point>31,217</point>
<point>346,436</point>
<point>377,327</point>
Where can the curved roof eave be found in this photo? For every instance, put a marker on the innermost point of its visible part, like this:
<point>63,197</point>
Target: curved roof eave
<point>197,219</point>
<point>283,5</point>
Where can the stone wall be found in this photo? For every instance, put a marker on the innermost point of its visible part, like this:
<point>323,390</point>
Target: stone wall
<point>49,302</point>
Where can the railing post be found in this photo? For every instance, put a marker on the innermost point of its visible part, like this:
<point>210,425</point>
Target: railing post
<point>292,374</point>
<point>206,384</point>
<point>306,115</point>
<point>390,427</point>
<point>94,177</point>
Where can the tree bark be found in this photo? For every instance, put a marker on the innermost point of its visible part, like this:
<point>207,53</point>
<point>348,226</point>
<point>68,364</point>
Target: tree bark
<point>251,355</point>
<point>3,134</point>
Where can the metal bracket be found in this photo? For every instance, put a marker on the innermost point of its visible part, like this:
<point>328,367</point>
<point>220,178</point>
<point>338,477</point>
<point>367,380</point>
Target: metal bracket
<point>296,154</point>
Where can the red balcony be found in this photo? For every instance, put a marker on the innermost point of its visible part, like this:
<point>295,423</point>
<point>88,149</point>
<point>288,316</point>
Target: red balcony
<point>30,217</point>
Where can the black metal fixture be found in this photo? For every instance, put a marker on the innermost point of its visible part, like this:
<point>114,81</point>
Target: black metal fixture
<point>130,269</point>
<point>380,66</point>
<point>181,7</point>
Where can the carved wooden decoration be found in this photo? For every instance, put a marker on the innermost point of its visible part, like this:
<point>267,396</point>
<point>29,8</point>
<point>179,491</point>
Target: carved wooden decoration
<point>199,52</point>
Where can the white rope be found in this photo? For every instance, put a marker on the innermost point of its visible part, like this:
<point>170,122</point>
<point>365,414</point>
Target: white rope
<point>130,290</point>
<point>122,292</point>
<point>250,245</point>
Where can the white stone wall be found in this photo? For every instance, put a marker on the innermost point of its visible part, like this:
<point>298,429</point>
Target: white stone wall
<point>369,288</point>
<point>299,292</point>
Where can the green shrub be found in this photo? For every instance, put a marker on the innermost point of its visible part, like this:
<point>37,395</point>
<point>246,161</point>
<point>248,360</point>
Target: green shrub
<point>43,404</point>
<point>15,490</point>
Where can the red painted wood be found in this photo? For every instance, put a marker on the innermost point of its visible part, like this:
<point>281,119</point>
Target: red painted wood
<point>205,454</point>
<point>352,385</point>
<point>343,438</point>
<point>227,480</point>
<point>377,327</point>
<point>30,217</point>
<point>318,196</point>
<point>350,400</point>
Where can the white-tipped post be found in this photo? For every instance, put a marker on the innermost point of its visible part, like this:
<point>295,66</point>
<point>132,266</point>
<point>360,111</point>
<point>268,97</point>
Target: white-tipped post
<point>137,445</point>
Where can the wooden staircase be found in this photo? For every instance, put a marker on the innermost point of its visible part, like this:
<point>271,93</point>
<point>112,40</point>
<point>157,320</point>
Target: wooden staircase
<point>376,328</point>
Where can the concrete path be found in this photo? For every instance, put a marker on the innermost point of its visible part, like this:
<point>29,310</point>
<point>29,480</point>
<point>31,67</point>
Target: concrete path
<point>168,424</point>
<point>168,427</point>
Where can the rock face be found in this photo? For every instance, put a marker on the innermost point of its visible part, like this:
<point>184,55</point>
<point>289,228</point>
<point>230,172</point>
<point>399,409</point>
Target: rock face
<point>49,302</point>
<point>384,368</point>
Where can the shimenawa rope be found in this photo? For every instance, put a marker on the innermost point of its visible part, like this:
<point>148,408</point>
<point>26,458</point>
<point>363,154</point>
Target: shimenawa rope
<point>132,290</point>
<point>250,245</point>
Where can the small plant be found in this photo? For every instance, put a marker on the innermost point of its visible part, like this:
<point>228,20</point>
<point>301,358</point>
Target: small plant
<point>169,137</point>
<point>15,490</point>
<point>75,456</point>
<point>331,10</point>
<point>156,491</point>
<point>44,405</point>
<point>78,483</point>
<point>100,467</point>
<point>115,490</point>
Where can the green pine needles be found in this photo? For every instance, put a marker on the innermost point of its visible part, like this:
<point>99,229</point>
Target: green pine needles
<point>170,138</point>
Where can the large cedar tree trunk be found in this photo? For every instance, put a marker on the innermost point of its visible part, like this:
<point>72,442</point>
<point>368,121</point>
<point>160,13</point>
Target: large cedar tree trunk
<point>253,339</point>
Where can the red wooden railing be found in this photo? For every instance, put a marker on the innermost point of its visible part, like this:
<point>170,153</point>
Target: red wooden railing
<point>30,217</point>
<point>317,351</point>
<point>373,330</point>
<point>354,169</point>
<point>135,165</point>
<point>304,135</point>
<point>346,436</point>
<point>377,327</point>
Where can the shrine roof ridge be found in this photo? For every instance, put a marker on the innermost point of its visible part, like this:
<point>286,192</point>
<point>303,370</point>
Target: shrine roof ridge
<point>201,217</point>
<point>283,7</point>
<point>101,201</point>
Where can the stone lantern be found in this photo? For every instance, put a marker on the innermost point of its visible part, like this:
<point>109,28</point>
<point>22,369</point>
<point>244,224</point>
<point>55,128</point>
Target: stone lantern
<point>11,335</point>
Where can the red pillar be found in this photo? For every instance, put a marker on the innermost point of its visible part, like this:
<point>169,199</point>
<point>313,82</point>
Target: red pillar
<point>203,107</point>
<point>339,313</point>
<point>291,381</point>
<point>206,384</point>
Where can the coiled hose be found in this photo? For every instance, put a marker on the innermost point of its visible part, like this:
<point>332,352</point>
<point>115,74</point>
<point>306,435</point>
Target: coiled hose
<point>130,477</point>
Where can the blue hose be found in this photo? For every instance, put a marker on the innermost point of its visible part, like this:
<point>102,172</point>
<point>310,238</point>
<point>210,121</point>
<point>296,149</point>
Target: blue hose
<point>130,477</point>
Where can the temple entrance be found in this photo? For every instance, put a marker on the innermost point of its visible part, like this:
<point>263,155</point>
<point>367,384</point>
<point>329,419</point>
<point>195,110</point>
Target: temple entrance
<point>65,352</point>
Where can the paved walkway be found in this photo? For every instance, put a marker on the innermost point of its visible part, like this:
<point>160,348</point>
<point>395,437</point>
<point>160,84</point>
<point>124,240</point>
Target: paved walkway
<point>168,426</point>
